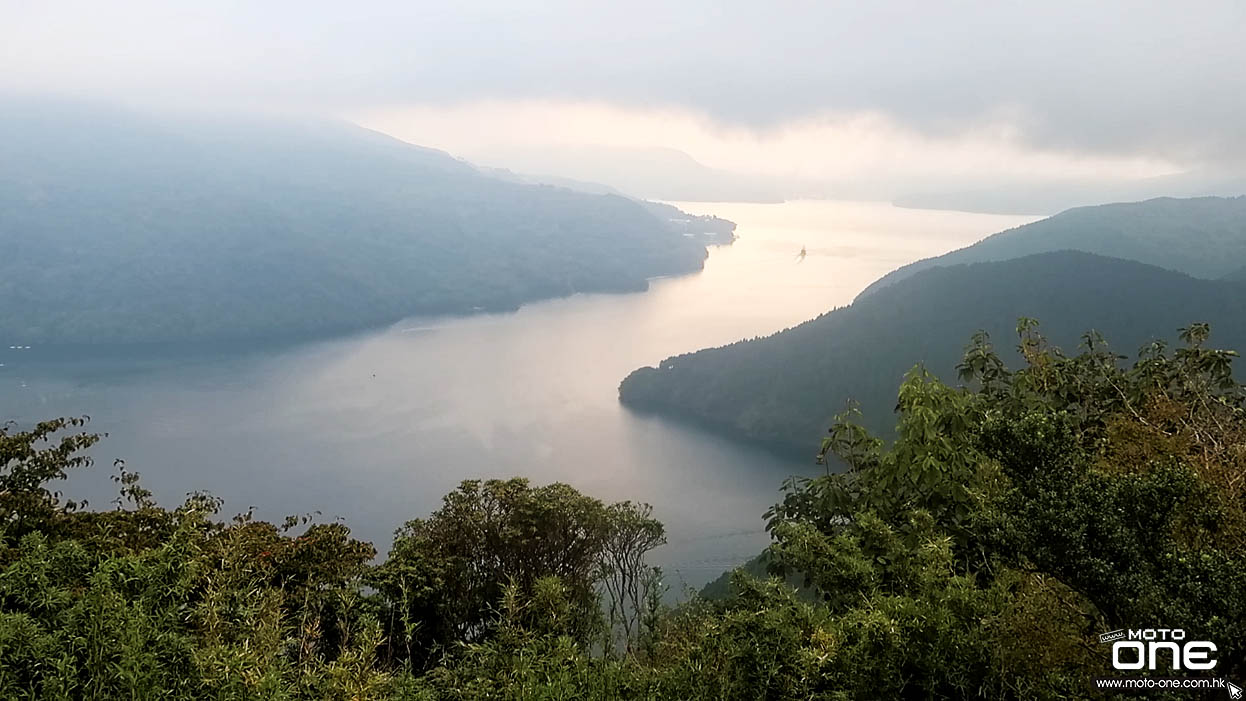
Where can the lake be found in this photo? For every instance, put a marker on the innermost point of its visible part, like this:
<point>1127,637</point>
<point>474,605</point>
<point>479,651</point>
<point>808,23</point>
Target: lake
<point>375,428</point>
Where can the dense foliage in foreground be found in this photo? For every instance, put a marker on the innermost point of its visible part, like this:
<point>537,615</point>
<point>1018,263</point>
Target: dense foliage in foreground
<point>979,555</point>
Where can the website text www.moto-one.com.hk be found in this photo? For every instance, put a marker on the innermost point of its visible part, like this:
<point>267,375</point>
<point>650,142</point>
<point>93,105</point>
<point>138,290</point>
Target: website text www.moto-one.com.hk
<point>1134,684</point>
<point>1161,649</point>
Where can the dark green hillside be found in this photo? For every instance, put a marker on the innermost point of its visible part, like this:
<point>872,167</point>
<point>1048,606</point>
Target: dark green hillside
<point>117,228</point>
<point>785,388</point>
<point>1204,237</point>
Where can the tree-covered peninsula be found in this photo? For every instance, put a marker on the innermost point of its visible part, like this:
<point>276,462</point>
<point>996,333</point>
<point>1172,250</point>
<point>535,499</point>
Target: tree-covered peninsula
<point>123,228</point>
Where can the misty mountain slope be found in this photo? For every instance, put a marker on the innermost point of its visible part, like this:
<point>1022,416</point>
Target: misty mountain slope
<point>1238,275</point>
<point>1204,237</point>
<point>120,228</point>
<point>784,389</point>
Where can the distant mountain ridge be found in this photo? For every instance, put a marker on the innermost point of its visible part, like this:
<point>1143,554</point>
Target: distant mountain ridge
<point>126,228</point>
<point>651,173</point>
<point>1204,237</point>
<point>782,390</point>
<point>1020,196</point>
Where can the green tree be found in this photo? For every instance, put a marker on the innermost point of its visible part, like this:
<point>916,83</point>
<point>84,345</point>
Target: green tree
<point>446,574</point>
<point>1015,516</point>
<point>29,461</point>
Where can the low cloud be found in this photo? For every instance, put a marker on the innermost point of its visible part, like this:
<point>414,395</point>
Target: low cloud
<point>835,154</point>
<point>1106,87</point>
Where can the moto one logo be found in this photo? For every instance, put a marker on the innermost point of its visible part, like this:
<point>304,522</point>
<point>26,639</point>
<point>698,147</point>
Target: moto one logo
<point>1153,648</point>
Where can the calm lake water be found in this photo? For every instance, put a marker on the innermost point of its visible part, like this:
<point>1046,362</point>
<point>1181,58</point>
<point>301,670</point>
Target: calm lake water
<point>375,428</point>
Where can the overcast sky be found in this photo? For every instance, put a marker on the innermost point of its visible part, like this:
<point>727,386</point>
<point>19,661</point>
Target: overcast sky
<point>813,90</point>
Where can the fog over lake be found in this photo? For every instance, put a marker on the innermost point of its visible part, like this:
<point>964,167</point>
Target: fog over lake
<point>376,427</point>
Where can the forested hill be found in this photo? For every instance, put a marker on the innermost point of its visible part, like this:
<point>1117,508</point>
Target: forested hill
<point>1204,237</point>
<point>784,389</point>
<point>125,228</point>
